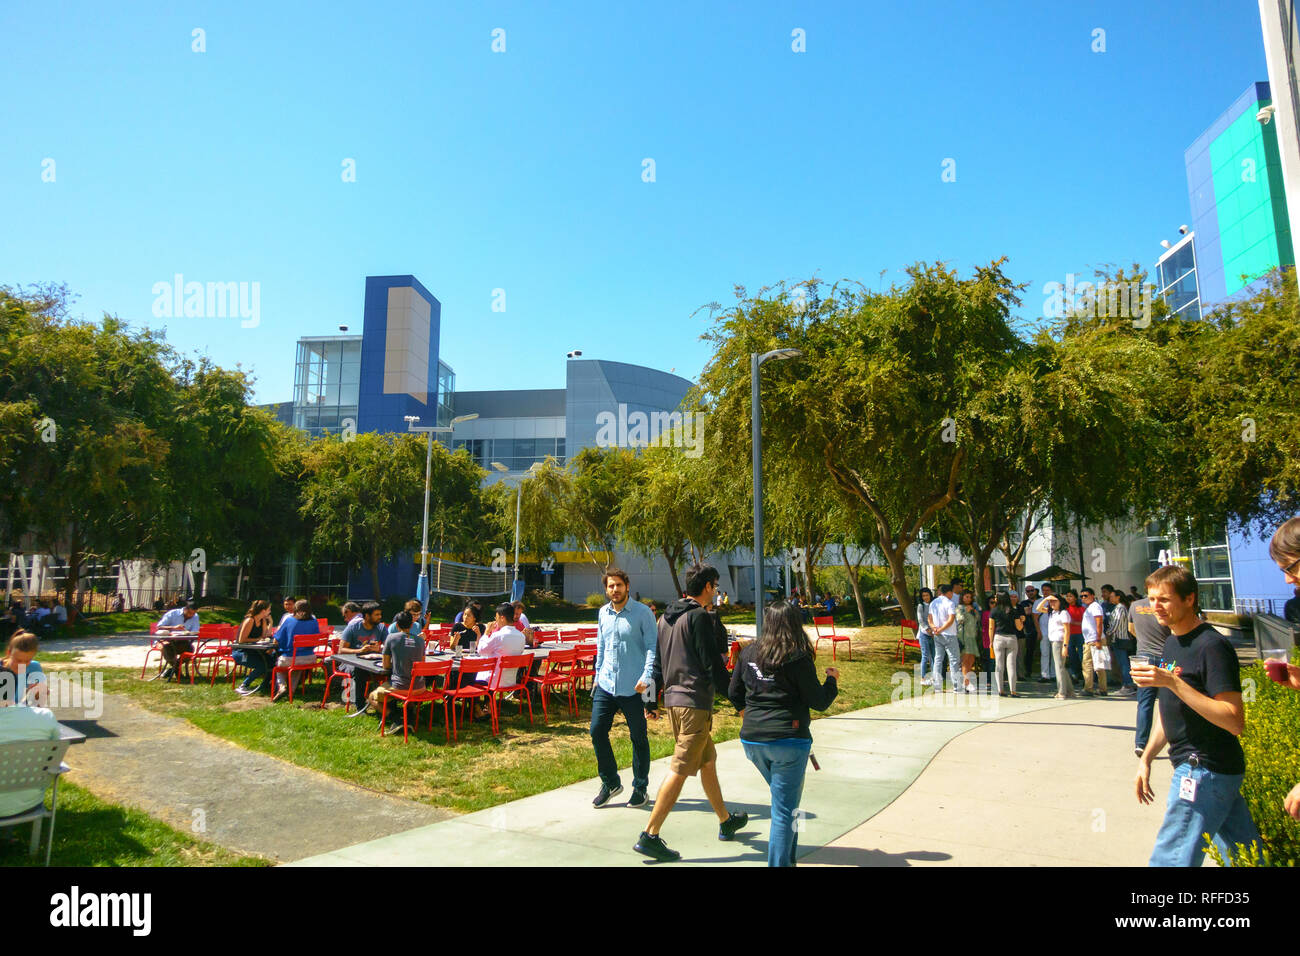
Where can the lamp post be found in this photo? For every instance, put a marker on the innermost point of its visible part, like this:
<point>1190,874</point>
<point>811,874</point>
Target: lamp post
<point>422,589</point>
<point>519,491</point>
<point>755,361</point>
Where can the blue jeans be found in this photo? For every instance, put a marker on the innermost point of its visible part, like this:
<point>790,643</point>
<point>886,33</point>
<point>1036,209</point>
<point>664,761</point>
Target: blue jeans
<point>1145,716</point>
<point>1219,810</point>
<point>1076,658</point>
<point>1121,659</point>
<point>604,706</point>
<point>257,667</point>
<point>947,644</point>
<point>927,652</point>
<point>783,764</point>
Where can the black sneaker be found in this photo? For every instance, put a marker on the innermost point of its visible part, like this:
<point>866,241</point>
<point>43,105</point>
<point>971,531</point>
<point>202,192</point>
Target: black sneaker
<point>602,798</point>
<point>655,848</point>
<point>737,821</point>
<point>638,798</point>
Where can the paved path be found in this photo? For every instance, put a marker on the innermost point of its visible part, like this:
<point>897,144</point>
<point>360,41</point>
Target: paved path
<point>1015,782</point>
<point>223,793</point>
<point>113,650</point>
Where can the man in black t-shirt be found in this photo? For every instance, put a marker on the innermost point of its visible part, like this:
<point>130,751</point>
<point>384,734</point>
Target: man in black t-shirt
<point>1200,714</point>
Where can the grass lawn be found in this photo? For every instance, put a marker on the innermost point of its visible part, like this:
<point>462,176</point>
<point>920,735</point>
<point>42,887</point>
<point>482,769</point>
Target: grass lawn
<point>477,772</point>
<point>90,832</point>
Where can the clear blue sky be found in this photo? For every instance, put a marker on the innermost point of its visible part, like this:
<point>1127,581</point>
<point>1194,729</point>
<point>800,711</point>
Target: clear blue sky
<point>522,170</point>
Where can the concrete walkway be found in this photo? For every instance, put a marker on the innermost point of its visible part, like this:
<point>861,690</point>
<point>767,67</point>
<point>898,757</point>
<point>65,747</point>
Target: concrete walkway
<point>1024,781</point>
<point>219,792</point>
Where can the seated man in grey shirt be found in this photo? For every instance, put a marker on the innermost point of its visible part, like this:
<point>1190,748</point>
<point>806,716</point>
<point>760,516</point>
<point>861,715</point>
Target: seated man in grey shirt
<point>401,650</point>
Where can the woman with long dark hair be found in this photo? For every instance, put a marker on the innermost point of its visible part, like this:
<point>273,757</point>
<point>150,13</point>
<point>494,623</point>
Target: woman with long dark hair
<point>774,685</point>
<point>255,627</point>
<point>923,635</point>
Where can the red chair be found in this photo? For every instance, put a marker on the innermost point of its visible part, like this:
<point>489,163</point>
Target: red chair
<point>466,690</point>
<point>819,623</point>
<point>556,672</point>
<point>301,644</point>
<point>513,668</point>
<point>207,633</point>
<point>430,695</point>
<point>584,666</point>
<point>155,647</point>
<point>325,626</point>
<point>212,648</point>
<point>904,641</point>
<point>344,676</point>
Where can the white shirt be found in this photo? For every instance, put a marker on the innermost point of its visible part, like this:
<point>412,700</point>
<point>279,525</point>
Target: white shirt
<point>1044,618</point>
<point>1093,616</point>
<point>503,642</point>
<point>1058,625</point>
<point>176,618</point>
<point>941,609</point>
<point>60,613</point>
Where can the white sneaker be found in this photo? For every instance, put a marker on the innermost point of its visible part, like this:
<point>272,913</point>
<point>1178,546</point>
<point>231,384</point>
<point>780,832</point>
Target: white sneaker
<point>926,681</point>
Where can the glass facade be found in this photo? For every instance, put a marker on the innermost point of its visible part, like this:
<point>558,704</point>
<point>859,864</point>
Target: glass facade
<point>1210,560</point>
<point>1176,273</point>
<point>446,389</point>
<point>517,454</point>
<point>326,384</point>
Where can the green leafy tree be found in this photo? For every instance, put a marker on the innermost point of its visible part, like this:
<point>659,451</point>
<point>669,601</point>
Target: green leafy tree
<point>364,499</point>
<point>884,393</point>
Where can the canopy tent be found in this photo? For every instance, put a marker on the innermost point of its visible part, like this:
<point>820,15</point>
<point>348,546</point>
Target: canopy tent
<point>1053,572</point>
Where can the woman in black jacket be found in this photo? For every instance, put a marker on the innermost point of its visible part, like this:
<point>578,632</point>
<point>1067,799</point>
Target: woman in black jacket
<point>774,685</point>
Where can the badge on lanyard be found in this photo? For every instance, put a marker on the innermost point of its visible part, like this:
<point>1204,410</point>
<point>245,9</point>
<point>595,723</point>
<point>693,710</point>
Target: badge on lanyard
<point>1187,790</point>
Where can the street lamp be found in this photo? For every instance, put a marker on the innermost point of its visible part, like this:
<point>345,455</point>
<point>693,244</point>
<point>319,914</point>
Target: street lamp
<point>422,588</point>
<point>755,361</point>
<point>519,491</point>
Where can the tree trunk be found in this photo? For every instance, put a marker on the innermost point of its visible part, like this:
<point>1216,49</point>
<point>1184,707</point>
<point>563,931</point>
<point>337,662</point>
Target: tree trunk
<point>75,560</point>
<point>374,571</point>
<point>672,569</point>
<point>857,588</point>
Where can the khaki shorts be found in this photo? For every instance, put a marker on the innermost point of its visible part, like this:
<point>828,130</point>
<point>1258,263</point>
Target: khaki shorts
<point>693,729</point>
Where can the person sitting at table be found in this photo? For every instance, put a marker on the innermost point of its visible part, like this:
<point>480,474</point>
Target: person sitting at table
<point>467,631</point>
<point>179,620</point>
<point>521,619</point>
<point>21,659</point>
<point>302,623</point>
<point>478,612</point>
<point>401,650</point>
<point>289,604</point>
<point>414,609</point>
<point>502,641</point>
<point>19,724</point>
<point>349,610</point>
<point>253,629</point>
<point>365,633</point>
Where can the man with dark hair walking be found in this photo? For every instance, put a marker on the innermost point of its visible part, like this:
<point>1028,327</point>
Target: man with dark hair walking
<point>692,672</point>
<point>625,657</point>
<point>1200,715</point>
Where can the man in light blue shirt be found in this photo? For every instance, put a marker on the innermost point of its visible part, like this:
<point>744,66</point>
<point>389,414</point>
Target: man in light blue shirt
<point>182,622</point>
<point>625,658</point>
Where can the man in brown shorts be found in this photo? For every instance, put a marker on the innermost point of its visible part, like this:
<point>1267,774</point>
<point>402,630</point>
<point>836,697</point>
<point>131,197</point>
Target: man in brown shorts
<point>691,670</point>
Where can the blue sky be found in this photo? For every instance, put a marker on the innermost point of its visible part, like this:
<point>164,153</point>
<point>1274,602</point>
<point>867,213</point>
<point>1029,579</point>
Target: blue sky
<point>522,170</point>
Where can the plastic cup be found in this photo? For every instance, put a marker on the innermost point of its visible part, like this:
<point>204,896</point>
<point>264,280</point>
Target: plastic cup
<point>1275,661</point>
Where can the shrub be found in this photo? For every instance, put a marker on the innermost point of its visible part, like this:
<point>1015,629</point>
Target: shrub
<point>1272,769</point>
<point>595,599</point>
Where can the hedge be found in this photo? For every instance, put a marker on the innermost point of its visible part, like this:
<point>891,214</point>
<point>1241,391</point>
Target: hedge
<point>1272,745</point>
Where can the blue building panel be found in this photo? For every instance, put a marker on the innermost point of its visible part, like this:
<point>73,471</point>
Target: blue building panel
<point>1254,575</point>
<point>382,408</point>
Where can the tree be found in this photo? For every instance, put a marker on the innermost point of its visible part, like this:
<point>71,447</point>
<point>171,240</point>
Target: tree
<point>666,510</point>
<point>364,498</point>
<point>94,482</point>
<point>881,398</point>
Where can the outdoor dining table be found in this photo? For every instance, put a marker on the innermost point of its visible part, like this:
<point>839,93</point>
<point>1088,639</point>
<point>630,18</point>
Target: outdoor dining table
<point>372,665</point>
